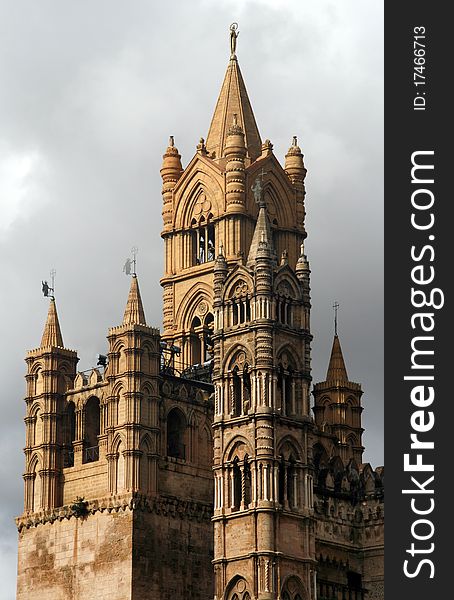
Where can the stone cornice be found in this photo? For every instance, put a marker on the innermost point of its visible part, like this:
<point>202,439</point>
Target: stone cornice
<point>161,505</point>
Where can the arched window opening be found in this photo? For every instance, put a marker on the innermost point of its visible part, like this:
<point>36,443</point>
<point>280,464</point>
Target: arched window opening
<point>196,344</point>
<point>285,388</point>
<point>120,470</point>
<point>287,483</point>
<point>92,418</point>
<point>246,387</point>
<point>236,486</point>
<point>247,485</point>
<point>176,432</point>
<point>69,424</point>
<point>202,340</point>
<point>207,337</point>
<point>240,304</point>
<point>282,485</point>
<point>288,395</point>
<point>37,429</point>
<point>235,318</point>
<point>281,388</point>
<point>282,303</point>
<point>37,489</point>
<point>144,469</point>
<point>291,483</point>
<point>203,242</point>
<point>237,396</point>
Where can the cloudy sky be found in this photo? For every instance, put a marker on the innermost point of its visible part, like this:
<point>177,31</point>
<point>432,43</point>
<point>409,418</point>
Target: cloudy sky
<point>89,93</point>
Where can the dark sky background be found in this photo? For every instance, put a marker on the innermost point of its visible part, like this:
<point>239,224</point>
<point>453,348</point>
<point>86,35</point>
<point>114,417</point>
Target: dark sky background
<point>90,92</point>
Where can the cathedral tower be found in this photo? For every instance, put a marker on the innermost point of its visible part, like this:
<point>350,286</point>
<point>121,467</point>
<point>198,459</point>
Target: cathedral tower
<point>210,204</point>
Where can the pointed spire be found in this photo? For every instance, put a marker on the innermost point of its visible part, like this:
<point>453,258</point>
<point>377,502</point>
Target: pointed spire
<point>262,240</point>
<point>337,373</point>
<point>233,99</point>
<point>52,333</point>
<point>134,313</point>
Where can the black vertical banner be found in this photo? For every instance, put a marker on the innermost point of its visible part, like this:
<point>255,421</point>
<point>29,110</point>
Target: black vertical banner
<point>419,253</point>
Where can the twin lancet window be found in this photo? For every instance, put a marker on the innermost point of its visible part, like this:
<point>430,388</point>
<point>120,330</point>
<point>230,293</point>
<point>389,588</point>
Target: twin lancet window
<point>202,242</point>
<point>245,481</point>
<point>90,426</point>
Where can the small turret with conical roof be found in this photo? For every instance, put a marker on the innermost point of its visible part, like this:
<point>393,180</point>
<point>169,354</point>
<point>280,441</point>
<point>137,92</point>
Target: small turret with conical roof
<point>171,171</point>
<point>52,334</point>
<point>336,373</point>
<point>296,171</point>
<point>337,406</point>
<point>134,313</point>
<point>51,369</point>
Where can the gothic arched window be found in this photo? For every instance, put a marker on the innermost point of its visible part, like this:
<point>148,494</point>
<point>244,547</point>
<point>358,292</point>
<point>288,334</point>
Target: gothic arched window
<point>240,304</point>
<point>176,434</point>
<point>70,434</point>
<point>92,420</point>
<point>237,395</point>
<point>203,242</point>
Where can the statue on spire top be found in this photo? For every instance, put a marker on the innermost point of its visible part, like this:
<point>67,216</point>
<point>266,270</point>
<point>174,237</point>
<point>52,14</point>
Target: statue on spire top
<point>234,33</point>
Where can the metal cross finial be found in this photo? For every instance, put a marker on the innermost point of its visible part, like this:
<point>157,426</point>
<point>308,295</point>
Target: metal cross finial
<point>134,251</point>
<point>335,307</point>
<point>234,33</point>
<point>48,290</point>
<point>53,272</point>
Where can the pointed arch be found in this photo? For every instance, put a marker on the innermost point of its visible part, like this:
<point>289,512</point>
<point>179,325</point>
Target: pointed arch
<point>288,356</point>
<point>205,445</point>
<point>293,588</point>
<point>200,174</point>
<point>35,484</point>
<point>237,448</point>
<point>237,588</point>
<point>238,355</point>
<point>239,275</point>
<point>287,284</point>
<point>145,448</point>
<point>186,311</point>
<point>289,446</point>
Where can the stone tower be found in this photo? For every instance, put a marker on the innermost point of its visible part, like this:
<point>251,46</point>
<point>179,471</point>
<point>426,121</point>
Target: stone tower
<point>210,204</point>
<point>338,407</point>
<point>113,509</point>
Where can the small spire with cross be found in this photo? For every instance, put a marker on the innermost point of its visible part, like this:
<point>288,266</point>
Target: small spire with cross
<point>335,308</point>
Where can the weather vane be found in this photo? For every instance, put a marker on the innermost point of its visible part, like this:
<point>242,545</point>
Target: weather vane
<point>234,33</point>
<point>335,307</point>
<point>129,267</point>
<point>49,290</point>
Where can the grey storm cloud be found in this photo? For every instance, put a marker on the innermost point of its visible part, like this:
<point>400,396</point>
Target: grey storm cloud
<point>90,92</point>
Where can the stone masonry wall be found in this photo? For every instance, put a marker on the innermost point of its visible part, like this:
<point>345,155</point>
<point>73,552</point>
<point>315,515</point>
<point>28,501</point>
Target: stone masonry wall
<point>172,557</point>
<point>77,558</point>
